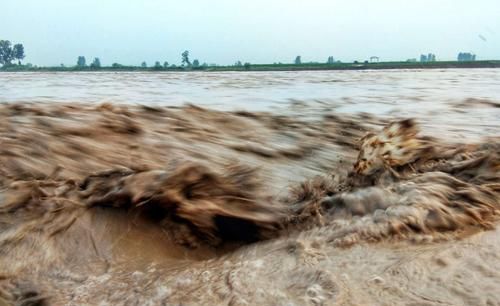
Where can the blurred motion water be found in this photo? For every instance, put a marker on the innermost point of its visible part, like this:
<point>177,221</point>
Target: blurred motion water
<point>435,96</point>
<point>273,188</point>
<point>255,90</point>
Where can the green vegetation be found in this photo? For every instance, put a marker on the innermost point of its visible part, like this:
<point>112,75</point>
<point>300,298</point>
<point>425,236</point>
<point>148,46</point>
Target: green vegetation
<point>157,66</point>
<point>465,57</point>
<point>185,58</point>
<point>96,64</point>
<point>428,58</point>
<point>81,62</point>
<point>10,53</point>
<point>268,67</point>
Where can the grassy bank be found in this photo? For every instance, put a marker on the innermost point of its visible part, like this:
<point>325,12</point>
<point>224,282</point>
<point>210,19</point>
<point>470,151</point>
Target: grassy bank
<point>277,67</point>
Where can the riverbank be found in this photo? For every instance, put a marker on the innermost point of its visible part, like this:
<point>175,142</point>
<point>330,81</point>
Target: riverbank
<point>273,67</point>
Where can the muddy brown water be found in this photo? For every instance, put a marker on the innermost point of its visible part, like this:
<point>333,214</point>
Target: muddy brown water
<point>114,191</point>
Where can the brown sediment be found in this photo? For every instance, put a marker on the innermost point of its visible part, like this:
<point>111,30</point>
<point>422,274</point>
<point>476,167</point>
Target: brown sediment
<point>406,186</point>
<point>156,199</point>
<point>475,102</point>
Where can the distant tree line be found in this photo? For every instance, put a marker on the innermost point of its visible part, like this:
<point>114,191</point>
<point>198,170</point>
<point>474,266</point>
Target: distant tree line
<point>466,57</point>
<point>81,63</point>
<point>186,62</point>
<point>427,58</point>
<point>298,60</point>
<point>9,53</point>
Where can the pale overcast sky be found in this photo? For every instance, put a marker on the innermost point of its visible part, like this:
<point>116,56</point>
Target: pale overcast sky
<point>257,31</point>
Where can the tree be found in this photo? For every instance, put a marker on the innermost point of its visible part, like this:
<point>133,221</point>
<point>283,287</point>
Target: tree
<point>157,66</point>
<point>466,56</point>
<point>144,65</point>
<point>185,58</point>
<point>116,65</point>
<point>238,64</point>
<point>96,64</point>
<point>5,52</point>
<point>9,53</point>
<point>196,63</point>
<point>330,60</point>
<point>18,52</point>
<point>81,62</point>
<point>298,60</point>
<point>247,66</point>
<point>165,64</point>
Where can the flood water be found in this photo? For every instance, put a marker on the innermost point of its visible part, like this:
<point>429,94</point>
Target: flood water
<point>389,89</point>
<point>250,188</point>
<point>409,93</point>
